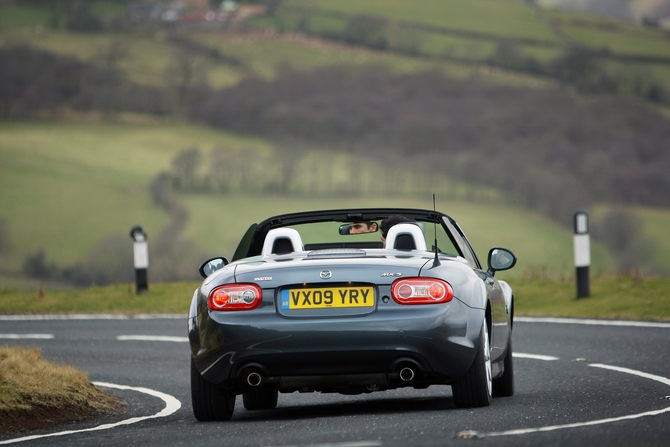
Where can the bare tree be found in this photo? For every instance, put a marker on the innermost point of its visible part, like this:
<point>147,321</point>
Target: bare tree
<point>183,74</point>
<point>108,91</point>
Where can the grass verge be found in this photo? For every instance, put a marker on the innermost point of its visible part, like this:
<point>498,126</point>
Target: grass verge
<point>35,393</point>
<point>612,297</point>
<point>161,298</point>
<point>631,297</point>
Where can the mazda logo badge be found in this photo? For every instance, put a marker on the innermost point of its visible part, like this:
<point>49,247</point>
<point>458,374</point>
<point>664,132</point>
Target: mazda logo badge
<point>325,274</point>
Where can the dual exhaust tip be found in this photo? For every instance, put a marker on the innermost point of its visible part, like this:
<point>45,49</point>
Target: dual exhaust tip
<point>406,374</point>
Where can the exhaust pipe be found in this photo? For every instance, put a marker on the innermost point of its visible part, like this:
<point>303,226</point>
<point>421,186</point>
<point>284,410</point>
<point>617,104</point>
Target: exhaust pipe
<point>254,379</point>
<point>406,374</point>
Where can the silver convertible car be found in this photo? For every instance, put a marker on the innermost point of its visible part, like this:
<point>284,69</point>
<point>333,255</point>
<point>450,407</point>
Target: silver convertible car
<point>350,301</point>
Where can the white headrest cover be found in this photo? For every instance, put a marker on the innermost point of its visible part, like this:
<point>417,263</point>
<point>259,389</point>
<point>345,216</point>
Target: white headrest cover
<point>282,233</point>
<point>406,228</point>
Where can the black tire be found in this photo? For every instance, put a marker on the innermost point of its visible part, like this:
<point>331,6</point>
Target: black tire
<point>503,386</point>
<point>260,400</point>
<point>210,402</point>
<point>475,388</point>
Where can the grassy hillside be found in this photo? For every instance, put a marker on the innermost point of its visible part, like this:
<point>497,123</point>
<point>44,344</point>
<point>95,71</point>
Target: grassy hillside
<point>484,16</point>
<point>146,59</point>
<point>490,19</point>
<point>432,34</point>
<point>66,186</point>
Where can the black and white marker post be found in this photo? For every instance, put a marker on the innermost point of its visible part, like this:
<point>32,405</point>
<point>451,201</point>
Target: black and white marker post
<point>141,258</point>
<point>582,245</point>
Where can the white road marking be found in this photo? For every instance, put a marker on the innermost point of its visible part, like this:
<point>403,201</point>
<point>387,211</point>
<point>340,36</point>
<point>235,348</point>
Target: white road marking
<point>546,358</point>
<point>342,444</point>
<point>524,431</point>
<point>593,322</point>
<point>633,372</point>
<point>92,317</point>
<point>22,336</point>
<point>152,338</point>
<point>171,406</point>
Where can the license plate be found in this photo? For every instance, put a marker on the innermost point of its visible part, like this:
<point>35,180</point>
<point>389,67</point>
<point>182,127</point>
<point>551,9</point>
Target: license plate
<point>324,298</point>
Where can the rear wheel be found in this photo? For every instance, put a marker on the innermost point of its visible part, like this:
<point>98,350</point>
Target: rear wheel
<point>210,402</point>
<point>260,400</point>
<point>503,386</point>
<point>475,388</point>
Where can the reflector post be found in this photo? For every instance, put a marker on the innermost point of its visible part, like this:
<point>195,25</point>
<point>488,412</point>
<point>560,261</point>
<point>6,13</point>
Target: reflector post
<point>582,250</point>
<point>140,258</point>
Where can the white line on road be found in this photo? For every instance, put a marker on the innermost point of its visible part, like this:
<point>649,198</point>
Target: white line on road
<point>524,431</point>
<point>342,444</point>
<point>593,322</point>
<point>633,372</point>
<point>171,406</point>
<point>152,338</point>
<point>546,358</point>
<point>22,336</point>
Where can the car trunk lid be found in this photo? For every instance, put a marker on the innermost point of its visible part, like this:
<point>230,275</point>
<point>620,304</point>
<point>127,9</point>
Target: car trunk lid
<point>340,282</point>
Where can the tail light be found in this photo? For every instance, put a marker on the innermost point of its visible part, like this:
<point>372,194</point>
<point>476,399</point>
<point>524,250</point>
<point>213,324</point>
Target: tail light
<point>235,297</point>
<point>421,291</point>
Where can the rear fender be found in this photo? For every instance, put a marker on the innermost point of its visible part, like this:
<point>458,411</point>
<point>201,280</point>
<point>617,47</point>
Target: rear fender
<point>193,330</point>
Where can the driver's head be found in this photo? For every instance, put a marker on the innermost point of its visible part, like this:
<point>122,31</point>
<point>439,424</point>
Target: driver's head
<point>362,227</point>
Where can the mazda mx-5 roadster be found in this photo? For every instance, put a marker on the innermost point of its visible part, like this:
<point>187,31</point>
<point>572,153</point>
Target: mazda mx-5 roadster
<point>350,301</point>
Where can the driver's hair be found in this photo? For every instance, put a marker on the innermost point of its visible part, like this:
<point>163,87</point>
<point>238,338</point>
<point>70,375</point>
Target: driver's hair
<point>390,221</point>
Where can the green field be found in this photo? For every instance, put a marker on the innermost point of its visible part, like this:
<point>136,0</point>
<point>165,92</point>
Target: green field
<point>66,186</point>
<point>620,43</point>
<point>483,16</point>
<point>443,35</point>
<point>612,297</point>
<point>147,58</point>
<point>472,30</point>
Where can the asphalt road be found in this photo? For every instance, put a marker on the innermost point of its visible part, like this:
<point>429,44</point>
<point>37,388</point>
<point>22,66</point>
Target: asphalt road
<point>577,384</point>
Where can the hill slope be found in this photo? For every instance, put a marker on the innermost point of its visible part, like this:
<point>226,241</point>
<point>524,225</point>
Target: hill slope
<point>518,102</point>
<point>72,189</point>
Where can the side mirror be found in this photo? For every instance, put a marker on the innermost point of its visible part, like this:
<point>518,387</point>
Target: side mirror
<point>212,265</point>
<point>500,259</point>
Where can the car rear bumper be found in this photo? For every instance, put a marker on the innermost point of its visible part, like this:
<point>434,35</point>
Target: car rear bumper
<point>437,342</point>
